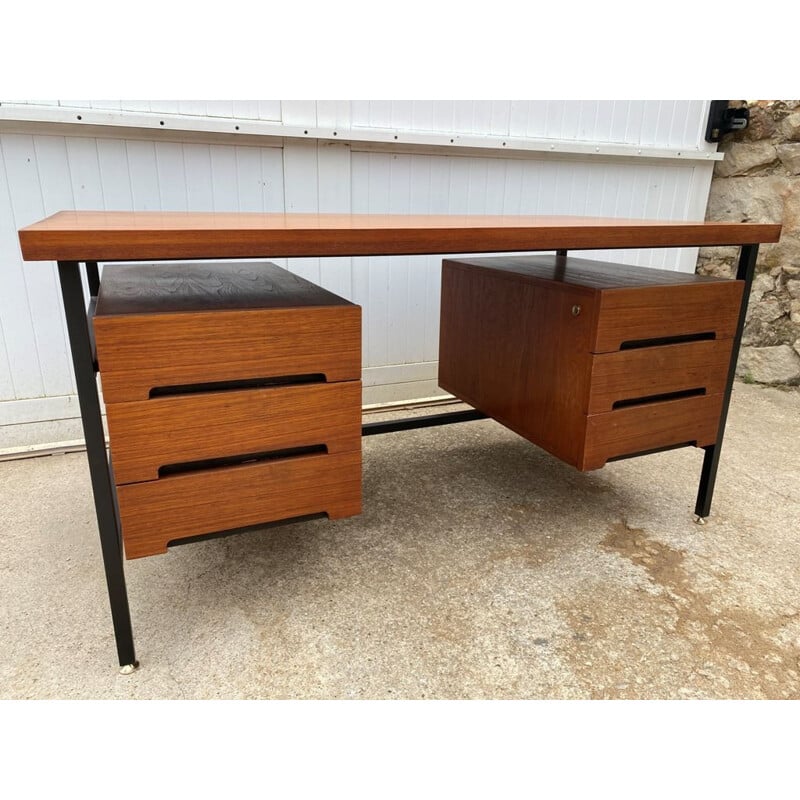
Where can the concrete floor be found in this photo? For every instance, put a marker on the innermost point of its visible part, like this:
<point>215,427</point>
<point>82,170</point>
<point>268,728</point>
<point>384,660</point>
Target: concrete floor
<point>480,568</point>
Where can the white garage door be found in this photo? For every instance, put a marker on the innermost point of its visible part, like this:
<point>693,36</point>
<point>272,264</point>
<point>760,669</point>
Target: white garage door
<point>624,159</point>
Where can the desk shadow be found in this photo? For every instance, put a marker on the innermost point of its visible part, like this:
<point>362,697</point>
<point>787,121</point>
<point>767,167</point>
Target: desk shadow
<point>440,509</point>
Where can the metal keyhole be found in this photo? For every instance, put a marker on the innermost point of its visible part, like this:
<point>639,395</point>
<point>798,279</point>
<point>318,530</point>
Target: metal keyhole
<point>576,310</point>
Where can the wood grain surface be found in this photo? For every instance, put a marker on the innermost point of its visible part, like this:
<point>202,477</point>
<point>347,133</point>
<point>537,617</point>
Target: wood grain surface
<point>222,286</point>
<point>590,273</point>
<point>138,352</point>
<point>513,349</point>
<point>139,235</point>
<point>648,371</point>
<point>535,344</point>
<point>653,312</point>
<point>155,513</point>
<point>165,431</point>
<point>640,428</point>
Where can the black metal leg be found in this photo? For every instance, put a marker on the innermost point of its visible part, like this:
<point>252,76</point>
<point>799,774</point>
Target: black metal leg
<point>102,487</point>
<point>561,264</point>
<point>93,277</point>
<point>708,476</point>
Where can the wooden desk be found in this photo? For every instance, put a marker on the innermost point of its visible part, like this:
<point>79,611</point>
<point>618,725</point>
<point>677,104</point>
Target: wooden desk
<point>73,238</point>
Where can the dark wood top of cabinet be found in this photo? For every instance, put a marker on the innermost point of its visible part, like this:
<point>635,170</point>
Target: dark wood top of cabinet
<point>193,287</point>
<point>584,272</point>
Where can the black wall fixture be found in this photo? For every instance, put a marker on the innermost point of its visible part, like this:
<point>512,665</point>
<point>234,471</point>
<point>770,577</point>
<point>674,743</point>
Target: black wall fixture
<point>722,120</point>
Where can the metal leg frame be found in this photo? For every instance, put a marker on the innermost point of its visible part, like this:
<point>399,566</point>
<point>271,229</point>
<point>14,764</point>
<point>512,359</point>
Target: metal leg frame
<point>708,476</point>
<point>99,470</point>
<point>99,466</point>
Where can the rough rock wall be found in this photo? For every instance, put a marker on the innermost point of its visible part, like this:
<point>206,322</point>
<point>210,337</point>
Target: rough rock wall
<point>759,181</point>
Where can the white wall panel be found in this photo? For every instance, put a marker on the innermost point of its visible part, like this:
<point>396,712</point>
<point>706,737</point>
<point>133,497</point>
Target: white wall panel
<point>19,205</point>
<point>249,181</point>
<point>269,109</point>
<point>223,178</point>
<point>301,193</point>
<point>6,378</point>
<point>129,105</point>
<point>43,173</point>
<point>55,183</point>
<point>333,187</point>
<point>171,176</point>
<point>219,108</point>
<point>115,173</point>
<point>199,186</point>
<point>144,176</point>
<point>333,113</point>
<point>245,109</point>
<point>194,108</point>
<point>299,112</point>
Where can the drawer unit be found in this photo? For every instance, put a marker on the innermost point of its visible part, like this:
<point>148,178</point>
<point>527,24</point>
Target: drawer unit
<point>589,360</point>
<point>150,436</point>
<point>155,513</point>
<point>158,327</point>
<point>233,398</point>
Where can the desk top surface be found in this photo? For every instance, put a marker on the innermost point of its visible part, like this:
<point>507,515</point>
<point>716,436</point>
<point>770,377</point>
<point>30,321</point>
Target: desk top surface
<point>138,235</point>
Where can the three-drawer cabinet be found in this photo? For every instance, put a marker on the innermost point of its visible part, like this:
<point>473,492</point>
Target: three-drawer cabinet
<point>589,360</point>
<point>233,398</point>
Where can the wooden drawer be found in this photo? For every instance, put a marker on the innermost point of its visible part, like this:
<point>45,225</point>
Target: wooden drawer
<point>166,431</point>
<point>233,398</point>
<point>588,360</point>
<point>637,429</point>
<point>641,313</point>
<point>155,513</point>
<point>630,376</point>
<point>190,324</point>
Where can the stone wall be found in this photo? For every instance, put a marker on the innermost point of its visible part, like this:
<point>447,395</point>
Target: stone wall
<point>759,181</point>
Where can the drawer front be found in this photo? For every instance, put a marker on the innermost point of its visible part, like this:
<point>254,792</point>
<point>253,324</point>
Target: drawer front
<point>167,431</point>
<point>137,353</point>
<point>640,428</point>
<point>626,376</point>
<point>155,513</point>
<point>659,312</point>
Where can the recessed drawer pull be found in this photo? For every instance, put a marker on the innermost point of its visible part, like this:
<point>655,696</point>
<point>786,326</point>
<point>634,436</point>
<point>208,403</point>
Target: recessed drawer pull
<point>231,386</point>
<point>233,461</point>
<point>148,434</point>
<point>658,398</point>
<point>154,513</point>
<point>690,337</point>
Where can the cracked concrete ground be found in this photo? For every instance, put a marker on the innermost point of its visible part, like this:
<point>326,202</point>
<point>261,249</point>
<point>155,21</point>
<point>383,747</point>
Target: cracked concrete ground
<point>481,568</point>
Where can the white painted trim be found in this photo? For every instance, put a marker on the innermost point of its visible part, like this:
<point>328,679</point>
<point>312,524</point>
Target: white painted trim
<point>422,402</point>
<point>95,122</point>
<point>400,373</point>
<point>39,409</point>
<point>35,450</point>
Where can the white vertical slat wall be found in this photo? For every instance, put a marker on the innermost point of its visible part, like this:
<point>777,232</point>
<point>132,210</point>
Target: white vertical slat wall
<point>123,162</point>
